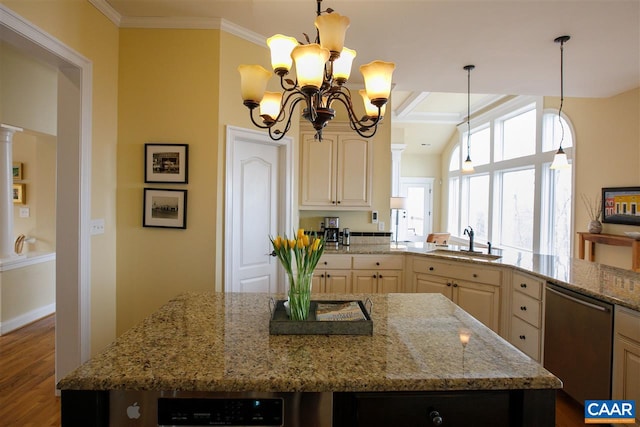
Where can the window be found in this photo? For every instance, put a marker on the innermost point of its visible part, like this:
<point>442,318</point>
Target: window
<point>513,198</point>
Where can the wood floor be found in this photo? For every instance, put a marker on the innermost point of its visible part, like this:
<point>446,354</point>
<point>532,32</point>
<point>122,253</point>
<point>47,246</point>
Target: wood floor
<point>27,381</point>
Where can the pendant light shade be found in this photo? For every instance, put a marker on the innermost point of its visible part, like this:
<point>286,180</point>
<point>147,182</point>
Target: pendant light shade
<point>253,83</point>
<point>310,59</point>
<point>332,29</point>
<point>270,105</point>
<point>377,80</point>
<point>342,65</point>
<point>467,166</point>
<point>560,160</point>
<point>370,109</point>
<point>281,47</point>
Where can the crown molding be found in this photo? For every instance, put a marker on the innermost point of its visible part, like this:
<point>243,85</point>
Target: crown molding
<point>107,11</point>
<point>243,33</point>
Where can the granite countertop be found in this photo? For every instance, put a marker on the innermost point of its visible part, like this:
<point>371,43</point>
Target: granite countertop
<point>610,284</point>
<point>221,342</point>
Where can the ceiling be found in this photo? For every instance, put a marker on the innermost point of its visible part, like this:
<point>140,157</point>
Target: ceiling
<point>509,41</point>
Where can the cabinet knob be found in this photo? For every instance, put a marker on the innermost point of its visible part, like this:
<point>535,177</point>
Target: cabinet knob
<point>522,337</point>
<point>455,285</point>
<point>328,275</point>
<point>475,275</point>
<point>325,263</point>
<point>523,285</point>
<point>436,419</point>
<point>338,201</point>
<point>523,307</point>
<point>430,268</point>
<point>322,275</point>
<point>333,202</point>
<point>448,284</point>
<point>379,276</point>
<point>375,276</point>
<point>377,263</point>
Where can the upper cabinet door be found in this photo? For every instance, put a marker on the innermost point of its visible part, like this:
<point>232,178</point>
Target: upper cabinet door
<point>336,173</point>
<point>354,171</point>
<point>318,170</point>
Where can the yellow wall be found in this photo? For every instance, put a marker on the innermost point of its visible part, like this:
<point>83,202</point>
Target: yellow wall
<point>26,290</point>
<point>607,135</point>
<point>37,153</point>
<point>168,86</point>
<point>80,26</point>
<point>29,92</point>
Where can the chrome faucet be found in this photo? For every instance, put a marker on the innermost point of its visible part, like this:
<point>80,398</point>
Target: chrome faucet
<point>469,232</point>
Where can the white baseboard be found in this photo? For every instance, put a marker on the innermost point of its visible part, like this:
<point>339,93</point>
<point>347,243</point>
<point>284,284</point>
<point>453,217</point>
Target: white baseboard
<point>25,319</point>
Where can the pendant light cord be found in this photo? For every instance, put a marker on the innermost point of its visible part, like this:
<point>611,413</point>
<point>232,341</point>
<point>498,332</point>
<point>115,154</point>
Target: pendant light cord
<point>561,40</point>
<point>469,68</point>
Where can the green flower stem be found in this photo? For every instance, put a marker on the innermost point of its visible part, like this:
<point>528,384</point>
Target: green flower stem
<point>300,295</point>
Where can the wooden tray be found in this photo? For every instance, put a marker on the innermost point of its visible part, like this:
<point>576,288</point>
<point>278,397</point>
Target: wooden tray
<point>280,324</point>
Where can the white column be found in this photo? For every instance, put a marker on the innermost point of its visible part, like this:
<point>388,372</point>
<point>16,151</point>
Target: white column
<point>6,191</point>
<point>396,160</point>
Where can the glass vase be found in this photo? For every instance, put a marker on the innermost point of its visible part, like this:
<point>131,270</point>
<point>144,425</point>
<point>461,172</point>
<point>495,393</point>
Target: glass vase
<point>299,295</point>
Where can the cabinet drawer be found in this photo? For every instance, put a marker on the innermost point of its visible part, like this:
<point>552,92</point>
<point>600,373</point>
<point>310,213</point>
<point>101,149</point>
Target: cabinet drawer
<point>525,337</point>
<point>627,323</point>
<point>336,262</point>
<point>378,262</point>
<point>527,308</point>
<point>431,266</point>
<point>457,270</point>
<point>529,285</point>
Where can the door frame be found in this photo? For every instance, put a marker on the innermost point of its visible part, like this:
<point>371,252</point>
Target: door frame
<point>420,181</point>
<point>73,205</point>
<point>285,188</point>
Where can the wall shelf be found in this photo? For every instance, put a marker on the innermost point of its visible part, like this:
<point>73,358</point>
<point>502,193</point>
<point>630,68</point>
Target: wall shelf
<point>608,239</point>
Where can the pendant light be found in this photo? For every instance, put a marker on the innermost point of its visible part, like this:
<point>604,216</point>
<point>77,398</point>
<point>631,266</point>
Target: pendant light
<point>467,166</point>
<point>560,159</point>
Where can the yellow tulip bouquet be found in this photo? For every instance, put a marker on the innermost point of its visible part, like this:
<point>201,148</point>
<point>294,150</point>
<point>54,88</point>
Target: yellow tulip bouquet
<point>306,250</point>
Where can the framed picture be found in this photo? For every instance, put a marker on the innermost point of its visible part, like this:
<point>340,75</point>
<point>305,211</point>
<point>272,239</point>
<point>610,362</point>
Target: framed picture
<point>17,171</point>
<point>19,194</point>
<point>166,163</point>
<point>164,208</point>
<point>620,205</point>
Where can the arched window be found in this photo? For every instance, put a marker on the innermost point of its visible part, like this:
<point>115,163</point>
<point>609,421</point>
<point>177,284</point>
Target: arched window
<point>513,198</point>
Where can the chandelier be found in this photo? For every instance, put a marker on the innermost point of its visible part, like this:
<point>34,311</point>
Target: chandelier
<point>322,69</point>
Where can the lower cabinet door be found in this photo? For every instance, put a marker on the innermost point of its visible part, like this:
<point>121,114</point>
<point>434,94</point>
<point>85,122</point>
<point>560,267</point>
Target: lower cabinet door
<point>365,281</point>
<point>432,284</point>
<point>337,281</point>
<point>389,281</point>
<point>479,300</point>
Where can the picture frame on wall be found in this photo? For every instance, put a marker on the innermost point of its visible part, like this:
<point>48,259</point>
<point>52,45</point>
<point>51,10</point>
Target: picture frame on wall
<point>621,205</point>
<point>19,194</point>
<point>17,171</point>
<point>164,208</point>
<point>166,163</point>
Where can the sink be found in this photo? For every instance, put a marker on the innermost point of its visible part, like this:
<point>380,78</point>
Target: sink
<point>466,254</point>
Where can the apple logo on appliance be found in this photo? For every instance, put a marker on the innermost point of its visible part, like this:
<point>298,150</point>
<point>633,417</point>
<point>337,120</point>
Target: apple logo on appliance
<point>133,411</point>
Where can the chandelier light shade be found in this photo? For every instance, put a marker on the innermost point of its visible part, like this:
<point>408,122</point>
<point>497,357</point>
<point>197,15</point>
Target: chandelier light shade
<point>560,160</point>
<point>281,47</point>
<point>253,83</point>
<point>332,29</point>
<point>371,110</point>
<point>467,165</point>
<point>322,69</point>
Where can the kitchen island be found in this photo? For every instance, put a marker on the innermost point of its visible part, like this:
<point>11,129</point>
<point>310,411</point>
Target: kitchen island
<point>204,353</point>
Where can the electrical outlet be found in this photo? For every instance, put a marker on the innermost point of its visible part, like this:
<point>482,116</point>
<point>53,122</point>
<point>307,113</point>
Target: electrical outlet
<point>97,226</point>
<point>381,226</point>
<point>24,212</point>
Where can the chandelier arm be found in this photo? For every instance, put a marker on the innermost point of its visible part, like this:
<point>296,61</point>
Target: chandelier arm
<point>253,120</point>
<point>354,121</point>
<point>285,88</point>
<point>277,134</point>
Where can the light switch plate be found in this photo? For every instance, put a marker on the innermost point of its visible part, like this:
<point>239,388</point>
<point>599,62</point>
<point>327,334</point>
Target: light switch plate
<point>374,217</point>
<point>97,226</point>
<point>24,212</point>
<point>381,226</point>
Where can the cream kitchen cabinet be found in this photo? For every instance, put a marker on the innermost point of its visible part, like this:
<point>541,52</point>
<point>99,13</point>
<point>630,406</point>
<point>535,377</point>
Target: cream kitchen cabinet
<point>332,274</point>
<point>336,173</point>
<point>626,356</point>
<point>377,273</point>
<point>477,289</point>
<point>527,314</point>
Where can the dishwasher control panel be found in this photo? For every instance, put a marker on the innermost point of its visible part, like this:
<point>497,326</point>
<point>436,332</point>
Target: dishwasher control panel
<point>263,412</point>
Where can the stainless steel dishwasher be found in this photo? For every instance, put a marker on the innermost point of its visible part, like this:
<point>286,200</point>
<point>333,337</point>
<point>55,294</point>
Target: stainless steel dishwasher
<point>578,343</point>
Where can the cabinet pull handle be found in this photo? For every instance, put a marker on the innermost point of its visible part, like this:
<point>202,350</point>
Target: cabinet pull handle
<point>522,337</point>
<point>523,285</point>
<point>436,419</point>
<point>523,307</point>
<point>430,268</point>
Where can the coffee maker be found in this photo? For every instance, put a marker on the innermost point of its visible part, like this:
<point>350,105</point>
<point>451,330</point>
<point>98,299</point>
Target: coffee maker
<point>332,229</point>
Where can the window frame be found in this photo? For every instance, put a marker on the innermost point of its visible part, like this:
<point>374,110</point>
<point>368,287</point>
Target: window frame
<point>539,161</point>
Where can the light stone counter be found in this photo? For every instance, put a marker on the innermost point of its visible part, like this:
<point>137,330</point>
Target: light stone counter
<point>610,284</point>
<point>221,342</point>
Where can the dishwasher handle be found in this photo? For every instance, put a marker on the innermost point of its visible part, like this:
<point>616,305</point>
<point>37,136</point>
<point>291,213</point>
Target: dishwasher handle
<point>578,301</point>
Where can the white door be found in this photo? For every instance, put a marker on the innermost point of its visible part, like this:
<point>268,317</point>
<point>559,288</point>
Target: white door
<point>255,210</point>
<point>417,222</point>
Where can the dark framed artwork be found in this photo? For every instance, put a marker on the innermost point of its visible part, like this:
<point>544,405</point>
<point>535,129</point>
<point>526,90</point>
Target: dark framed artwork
<point>164,208</point>
<point>166,163</point>
<point>620,205</point>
